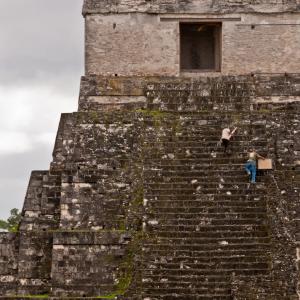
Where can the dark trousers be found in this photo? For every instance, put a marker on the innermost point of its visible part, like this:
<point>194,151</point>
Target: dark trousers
<point>225,144</point>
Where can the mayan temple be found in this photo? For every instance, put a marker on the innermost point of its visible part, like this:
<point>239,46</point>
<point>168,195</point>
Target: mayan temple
<point>140,201</point>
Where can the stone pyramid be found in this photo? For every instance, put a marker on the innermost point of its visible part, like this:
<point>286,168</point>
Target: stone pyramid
<point>140,201</point>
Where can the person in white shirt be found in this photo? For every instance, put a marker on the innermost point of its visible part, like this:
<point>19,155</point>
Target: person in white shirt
<point>226,136</point>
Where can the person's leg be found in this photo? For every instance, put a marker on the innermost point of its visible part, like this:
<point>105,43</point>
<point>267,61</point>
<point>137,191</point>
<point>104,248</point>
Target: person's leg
<point>248,168</point>
<point>225,143</point>
<point>253,173</point>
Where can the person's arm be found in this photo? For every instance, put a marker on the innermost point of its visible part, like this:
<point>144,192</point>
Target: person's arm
<point>233,131</point>
<point>259,156</point>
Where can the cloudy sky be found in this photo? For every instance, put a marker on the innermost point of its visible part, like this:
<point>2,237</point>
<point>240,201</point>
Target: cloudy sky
<point>41,61</point>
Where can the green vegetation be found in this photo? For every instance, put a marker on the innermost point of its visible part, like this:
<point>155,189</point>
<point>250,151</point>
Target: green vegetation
<point>12,223</point>
<point>264,111</point>
<point>122,225</point>
<point>81,117</point>
<point>138,197</point>
<point>111,296</point>
<point>94,116</point>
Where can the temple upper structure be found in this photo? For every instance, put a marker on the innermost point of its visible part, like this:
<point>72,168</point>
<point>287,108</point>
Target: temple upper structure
<point>181,38</point>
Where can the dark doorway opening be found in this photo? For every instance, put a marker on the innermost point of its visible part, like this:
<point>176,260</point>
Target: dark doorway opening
<point>200,46</point>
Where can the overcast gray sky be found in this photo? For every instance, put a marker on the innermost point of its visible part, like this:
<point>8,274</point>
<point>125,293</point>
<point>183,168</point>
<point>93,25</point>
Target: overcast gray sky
<point>41,61</point>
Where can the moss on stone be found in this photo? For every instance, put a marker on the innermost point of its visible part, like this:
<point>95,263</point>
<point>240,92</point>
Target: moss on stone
<point>94,116</point>
<point>126,268</point>
<point>264,111</point>
<point>110,296</point>
<point>154,113</point>
<point>138,197</point>
<point>122,225</point>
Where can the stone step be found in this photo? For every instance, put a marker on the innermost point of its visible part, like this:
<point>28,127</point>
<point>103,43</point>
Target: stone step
<point>199,152</point>
<point>202,216</point>
<point>215,131</point>
<point>196,184</point>
<point>196,181</point>
<point>202,120</point>
<point>211,228</point>
<point>161,289</point>
<point>173,193</point>
<point>199,291</point>
<point>187,284</point>
<point>235,262</point>
<point>199,254</point>
<point>190,296</point>
<point>274,295</point>
<point>211,214</point>
<point>165,273</point>
<point>209,234</point>
<point>184,156</point>
<point>205,157</point>
<point>201,137</point>
<point>215,278</point>
<point>195,164</point>
<point>201,143</point>
<point>218,241</point>
<point>206,210</point>
<point>211,221</point>
<point>201,156</point>
<point>218,183</point>
<point>210,197</point>
<point>191,172</point>
<point>205,154</point>
<point>208,247</point>
<point>177,142</point>
<point>192,166</point>
<point>188,179</point>
<point>206,266</point>
<point>205,204</point>
<point>207,259</point>
<point>204,104</point>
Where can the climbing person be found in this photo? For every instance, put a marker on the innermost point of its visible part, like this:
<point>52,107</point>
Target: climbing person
<point>250,165</point>
<point>226,136</point>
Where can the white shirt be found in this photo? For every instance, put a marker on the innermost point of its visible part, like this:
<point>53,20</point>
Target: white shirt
<point>252,156</point>
<point>226,134</point>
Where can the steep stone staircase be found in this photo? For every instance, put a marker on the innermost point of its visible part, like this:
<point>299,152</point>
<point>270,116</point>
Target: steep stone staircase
<point>204,221</point>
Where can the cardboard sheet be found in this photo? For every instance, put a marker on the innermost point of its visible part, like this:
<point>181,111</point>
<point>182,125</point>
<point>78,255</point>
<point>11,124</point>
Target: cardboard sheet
<point>265,164</point>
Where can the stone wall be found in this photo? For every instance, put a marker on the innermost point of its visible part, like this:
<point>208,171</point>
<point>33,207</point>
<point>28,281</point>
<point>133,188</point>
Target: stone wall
<point>34,262</point>
<point>127,45</point>
<point>148,44</point>
<point>9,244</point>
<point>98,156</point>
<point>188,6</point>
<point>204,93</point>
<point>86,263</point>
